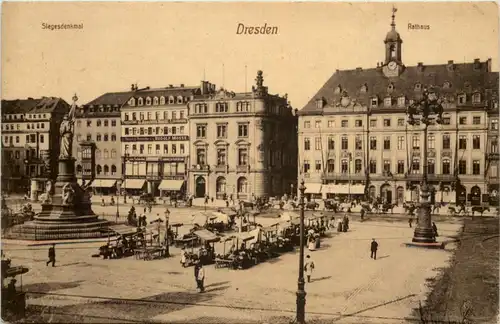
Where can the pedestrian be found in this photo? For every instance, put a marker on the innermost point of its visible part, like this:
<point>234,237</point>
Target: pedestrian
<point>145,209</point>
<point>200,278</point>
<point>52,255</point>
<point>374,248</point>
<point>309,267</point>
<point>362,214</point>
<point>410,221</point>
<point>434,227</point>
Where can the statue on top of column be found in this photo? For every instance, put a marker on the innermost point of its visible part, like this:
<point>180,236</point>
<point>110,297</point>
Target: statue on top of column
<point>67,131</point>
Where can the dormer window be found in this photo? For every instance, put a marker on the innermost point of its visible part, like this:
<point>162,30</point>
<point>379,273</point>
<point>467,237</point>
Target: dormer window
<point>162,100</point>
<point>462,98</point>
<point>388,102</point>
<point>446,85</point>
<point>148,101</point>
<point>179,99</point>
<point>338,89</point>
<point>171,100</point>
<point>374,102</point>
<point>155,101</point>
<point>390,88</point>
<point>418,87</point>
<point>319,103</point>
<point>476,98</point>
<point>364,88</point>
<point>140,102</point>
<point>401,101</point>
<point>131,102</point>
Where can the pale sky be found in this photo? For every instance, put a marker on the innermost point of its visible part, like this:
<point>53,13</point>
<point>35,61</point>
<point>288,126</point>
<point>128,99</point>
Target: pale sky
<point>157,44</point>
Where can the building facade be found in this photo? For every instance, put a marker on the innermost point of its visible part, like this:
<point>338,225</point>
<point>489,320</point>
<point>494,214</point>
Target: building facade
<point>99,121</point>
<point>243,145</point>
<point>354,139</point>
<point>492,156</point>
<point>30,139</point>
<point>155,139</point>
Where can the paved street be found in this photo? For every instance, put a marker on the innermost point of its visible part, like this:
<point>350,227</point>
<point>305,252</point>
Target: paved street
<point>348,285</point>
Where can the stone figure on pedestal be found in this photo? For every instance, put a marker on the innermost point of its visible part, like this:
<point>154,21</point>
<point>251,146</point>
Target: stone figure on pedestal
<point>67,132</point>
<point>49,190</point>
<point>68,194</point>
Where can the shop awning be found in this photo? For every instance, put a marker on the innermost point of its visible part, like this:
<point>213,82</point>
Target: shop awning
<point>171,185</point>
<point>207,236</point>
<point>123,229</point>
<point>313,188</point>
<point>133,184</point>
<point>343,189</point>
<point>103,183</point>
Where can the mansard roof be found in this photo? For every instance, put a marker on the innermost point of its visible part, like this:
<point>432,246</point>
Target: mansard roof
<point>462,78</point>
<point>30,105</point>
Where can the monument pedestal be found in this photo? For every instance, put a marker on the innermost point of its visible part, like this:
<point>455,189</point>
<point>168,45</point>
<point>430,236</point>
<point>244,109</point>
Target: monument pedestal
<point>67,212</point>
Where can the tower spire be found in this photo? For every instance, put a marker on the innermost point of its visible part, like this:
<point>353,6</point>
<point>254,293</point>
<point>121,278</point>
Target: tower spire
<point>393,23</point>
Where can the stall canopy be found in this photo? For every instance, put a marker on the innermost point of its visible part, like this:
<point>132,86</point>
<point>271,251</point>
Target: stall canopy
<point>206,235</point>
<point>343,189</point>
<point>123,229</point>
<point>287,216</point>
<point>171,185</point>
<point>103,183</point>
<point>133,184</point>
<point>313,188</point>
<point>220,217</point>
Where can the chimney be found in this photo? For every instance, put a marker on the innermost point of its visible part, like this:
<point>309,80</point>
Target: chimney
<point>213,87</point>
<point>420,66</point>
<point>477,64</point>
<point>202,87</point>
<point>450,66</point>
<point>170,86</point>
<point>488,65</point>
<point>450,62</point>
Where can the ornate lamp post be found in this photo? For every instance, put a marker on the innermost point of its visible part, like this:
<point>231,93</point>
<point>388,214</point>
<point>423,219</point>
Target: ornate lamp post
<point>426,111</point>
<point>301,293</point>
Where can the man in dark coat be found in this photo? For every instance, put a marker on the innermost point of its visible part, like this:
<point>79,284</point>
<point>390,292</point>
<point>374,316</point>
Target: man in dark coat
<point>52,255</point>
<point>196,271</point>
<point>374,248</point>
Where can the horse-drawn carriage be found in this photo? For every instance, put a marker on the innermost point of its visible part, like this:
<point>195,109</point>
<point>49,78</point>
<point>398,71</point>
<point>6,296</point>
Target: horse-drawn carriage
<point>126,240</point>
<point>205,254</point>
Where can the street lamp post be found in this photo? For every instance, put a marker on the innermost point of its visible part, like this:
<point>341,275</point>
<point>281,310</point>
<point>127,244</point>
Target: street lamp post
<point>167,216</point>
<point>301,293</point>
<point>124,178</point>
<point>427,111</point>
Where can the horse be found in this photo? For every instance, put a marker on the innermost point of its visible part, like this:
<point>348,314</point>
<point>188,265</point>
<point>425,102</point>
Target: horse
<point>311,205</point>
<point>387,207</point>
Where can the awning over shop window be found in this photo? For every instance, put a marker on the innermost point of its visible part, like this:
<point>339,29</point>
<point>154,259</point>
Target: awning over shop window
<point>171,185</point>
<point>103,183</point>
<point>313,188</point>
<point>133,184</point>
<point>343,189</point>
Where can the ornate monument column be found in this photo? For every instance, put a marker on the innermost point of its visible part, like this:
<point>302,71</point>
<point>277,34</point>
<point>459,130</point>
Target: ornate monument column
<point>66,208</point>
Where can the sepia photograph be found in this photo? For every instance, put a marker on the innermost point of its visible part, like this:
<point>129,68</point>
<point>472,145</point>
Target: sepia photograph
<point>250,162</point>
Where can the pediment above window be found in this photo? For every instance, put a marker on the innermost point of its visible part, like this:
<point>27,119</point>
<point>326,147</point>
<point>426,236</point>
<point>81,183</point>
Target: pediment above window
<point>221,143</point>
<point>200,143</point>
<point>242,142</point>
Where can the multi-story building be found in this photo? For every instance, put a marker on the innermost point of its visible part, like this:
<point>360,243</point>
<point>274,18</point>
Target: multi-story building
<point>492,155</point>
<point>99,121</point>
<point>30,134</point>
<point>155,138</point>
<point>354,138</point>
<point>242,144</point>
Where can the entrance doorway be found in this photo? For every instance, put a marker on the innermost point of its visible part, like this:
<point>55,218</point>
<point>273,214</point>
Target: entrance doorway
<point>475,196</point>
<point>386,193</point>
<point>201,189</point>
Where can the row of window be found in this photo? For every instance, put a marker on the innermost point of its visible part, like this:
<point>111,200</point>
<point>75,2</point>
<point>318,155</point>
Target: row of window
<point>387,168</point>
<point>154,130</point>
<point>141,149</point>
<point>21,117</point>
<point>415,141</point>
<point>99,137</point>
<point>28,126</point>
<point>476,120</point>
<point>156,115</point>
<point>139,168</point>
<point>99,123</point>
<point>223,107</point>
<point>417,87</point>
<point>201,130</point>
<point>31,138</point>
<point>158,100</point>
<point>241,185</point>
<point>31,153</point>
<point>201,156</point>
<point>106,170</point>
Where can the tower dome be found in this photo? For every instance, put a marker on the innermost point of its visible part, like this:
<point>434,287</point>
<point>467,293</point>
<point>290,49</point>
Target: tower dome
<point>393,35</point>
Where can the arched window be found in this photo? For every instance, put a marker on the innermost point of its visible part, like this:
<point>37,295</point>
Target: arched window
<point>98,122</point>
<point>131,102</point>
<point>106,169</point>
<point>79,168</point>
<point>106,123</point>
<point>148,101</point>
<point>171,100</point>
<point>242,185</point>
<point>221,185</point>
<point>113,169</point>
<point>140,102</point>
<point>97,154</point>
<point>155,101</point>
<point>98,169</point>
<point>106,154</point>
<point>113,137</point>
<point>113,153</point>
<point>99,137</point>
<point>162,100</point>
<point>179,99</point>
<point>106,137</point>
